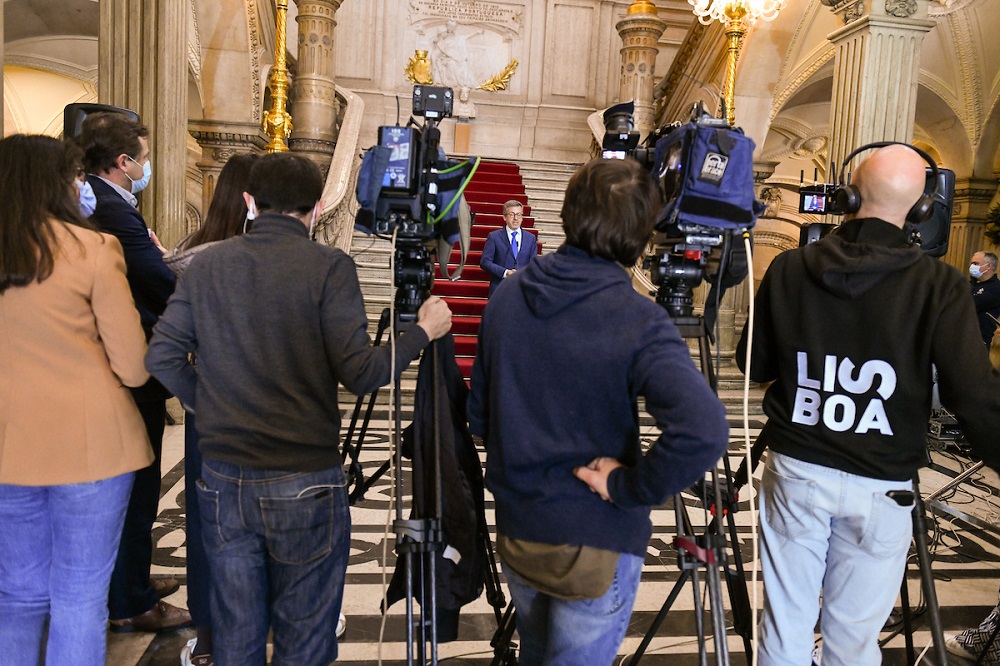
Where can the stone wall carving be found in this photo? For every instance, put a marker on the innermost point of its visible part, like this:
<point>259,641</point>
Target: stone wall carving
<point>254,34</point>
<point>901,8</point>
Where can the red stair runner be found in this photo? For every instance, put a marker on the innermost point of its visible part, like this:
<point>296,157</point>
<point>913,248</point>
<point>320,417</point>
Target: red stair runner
<point>492,185</point>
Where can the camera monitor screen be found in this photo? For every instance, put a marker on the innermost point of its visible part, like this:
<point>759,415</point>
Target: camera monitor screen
<point>814,199</point>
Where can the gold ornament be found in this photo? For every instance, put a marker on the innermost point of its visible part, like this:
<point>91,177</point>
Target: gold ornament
<point>500,81</point>
<point>418,70</point>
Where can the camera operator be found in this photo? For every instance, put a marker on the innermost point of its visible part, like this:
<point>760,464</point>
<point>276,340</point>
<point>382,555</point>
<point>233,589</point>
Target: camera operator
<point>985,291</point>
<point>565,350</point>
<point>847,329</point>
<point>277,322</point>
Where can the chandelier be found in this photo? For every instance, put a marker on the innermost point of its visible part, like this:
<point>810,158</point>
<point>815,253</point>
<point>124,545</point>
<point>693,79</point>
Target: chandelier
<point>747,12</point>
<point>738,16</point>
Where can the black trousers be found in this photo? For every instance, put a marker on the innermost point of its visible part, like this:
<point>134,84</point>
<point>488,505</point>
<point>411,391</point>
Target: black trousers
<point>130,593</point>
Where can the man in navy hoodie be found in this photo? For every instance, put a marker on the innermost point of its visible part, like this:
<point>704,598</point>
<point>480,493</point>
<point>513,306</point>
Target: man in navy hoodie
<point>565,351</point>
<point>847,329</point>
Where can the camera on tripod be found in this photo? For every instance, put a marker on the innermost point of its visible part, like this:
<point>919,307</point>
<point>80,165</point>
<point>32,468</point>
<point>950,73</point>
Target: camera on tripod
<point>705,172</point>
<point>409,188</point>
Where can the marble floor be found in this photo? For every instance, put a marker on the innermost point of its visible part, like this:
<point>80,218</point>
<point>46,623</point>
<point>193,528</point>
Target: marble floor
<point>966,565</point>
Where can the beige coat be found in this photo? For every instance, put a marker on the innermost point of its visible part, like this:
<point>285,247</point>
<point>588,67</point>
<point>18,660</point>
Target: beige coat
<point>69,347</point>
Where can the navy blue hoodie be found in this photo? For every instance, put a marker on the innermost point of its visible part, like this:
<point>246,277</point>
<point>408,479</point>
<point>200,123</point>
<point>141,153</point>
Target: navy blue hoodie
<point>847,329</point>
<point>566,348</point>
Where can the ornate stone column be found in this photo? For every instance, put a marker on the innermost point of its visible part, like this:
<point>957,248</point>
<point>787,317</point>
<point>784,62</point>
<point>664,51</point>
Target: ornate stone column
<point>314,99</point>
<point>219,141</point>
<point>875,72</point>
<point>640,31</point>
<point>968,220</point>
<point>143,64</point>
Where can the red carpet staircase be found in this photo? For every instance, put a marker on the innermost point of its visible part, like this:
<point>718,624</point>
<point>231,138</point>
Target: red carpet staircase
<point>492,185</point>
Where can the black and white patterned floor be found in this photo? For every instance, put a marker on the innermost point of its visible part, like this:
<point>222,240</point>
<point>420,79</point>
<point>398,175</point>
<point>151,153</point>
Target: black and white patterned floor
<point>966,567</point>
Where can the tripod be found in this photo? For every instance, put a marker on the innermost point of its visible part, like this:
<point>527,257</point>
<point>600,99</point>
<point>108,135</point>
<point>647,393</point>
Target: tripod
<point>707,551</point>
<point>424,538</point>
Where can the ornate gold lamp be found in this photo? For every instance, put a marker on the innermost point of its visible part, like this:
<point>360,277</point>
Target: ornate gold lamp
<point>738,16</point>
<point>277,121</point>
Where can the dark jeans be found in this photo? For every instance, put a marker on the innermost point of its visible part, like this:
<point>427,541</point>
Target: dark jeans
<point>130,593</point>
<point>197,560</point>
<point>278,544</point>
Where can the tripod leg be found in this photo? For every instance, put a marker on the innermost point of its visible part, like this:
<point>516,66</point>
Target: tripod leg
<point>926,575</point>
<point>658,620</point>
<point>904,601</point>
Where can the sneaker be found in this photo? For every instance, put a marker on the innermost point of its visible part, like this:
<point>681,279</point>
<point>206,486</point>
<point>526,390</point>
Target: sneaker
<point>956,649</point>
<point>188,659</point>
<point>341,626</point>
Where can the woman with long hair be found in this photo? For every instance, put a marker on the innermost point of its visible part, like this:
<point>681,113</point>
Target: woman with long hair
<point>70,434</point>
<point>227,216</point>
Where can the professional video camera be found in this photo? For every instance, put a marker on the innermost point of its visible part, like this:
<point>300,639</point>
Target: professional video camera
<point>930,229</point>
<point>705,171</point>
<point>408,187</point>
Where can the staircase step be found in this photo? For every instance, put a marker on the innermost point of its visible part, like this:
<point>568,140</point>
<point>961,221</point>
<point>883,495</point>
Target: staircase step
<point>461,288</point>
<point>496,207</point>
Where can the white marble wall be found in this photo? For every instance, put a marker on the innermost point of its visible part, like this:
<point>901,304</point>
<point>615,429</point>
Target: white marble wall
<point>567,50</point>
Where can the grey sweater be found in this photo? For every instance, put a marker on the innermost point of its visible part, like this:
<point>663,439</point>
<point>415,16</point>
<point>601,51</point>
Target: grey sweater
<point>277,321</point>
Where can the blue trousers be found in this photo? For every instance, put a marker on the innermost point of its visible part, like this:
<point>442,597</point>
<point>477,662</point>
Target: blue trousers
<point>556,632</point>
<point>824,531</point>
<point>58,545</point>
<point>278,544</point>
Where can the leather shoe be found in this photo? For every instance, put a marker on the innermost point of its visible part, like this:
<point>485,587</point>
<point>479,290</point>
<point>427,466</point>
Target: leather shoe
<point>161,616</point>
<point>164,587</point>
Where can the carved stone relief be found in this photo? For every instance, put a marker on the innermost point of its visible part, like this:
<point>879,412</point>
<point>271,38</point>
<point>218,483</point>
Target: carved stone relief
<point>901,8</point>
<point>470,44</point>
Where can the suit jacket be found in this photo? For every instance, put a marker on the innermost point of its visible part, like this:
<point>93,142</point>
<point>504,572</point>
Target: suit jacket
<point>498,255</point>
<point>149,279</point>
<point>70,343</point>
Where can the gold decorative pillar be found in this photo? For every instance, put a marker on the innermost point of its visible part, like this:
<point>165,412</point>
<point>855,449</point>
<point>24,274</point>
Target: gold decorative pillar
<point>968,220</point>
<point>640,31</point>
<point>876,67</point>
<point>219,141</point>
<point>278,122</point>
<point>314,90</point>
<point>142,58</point>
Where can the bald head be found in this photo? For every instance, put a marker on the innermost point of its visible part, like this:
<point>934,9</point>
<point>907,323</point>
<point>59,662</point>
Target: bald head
<point>890,180</point>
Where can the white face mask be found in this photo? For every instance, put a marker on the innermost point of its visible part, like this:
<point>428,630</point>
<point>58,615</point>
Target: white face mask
<point>975,271</point>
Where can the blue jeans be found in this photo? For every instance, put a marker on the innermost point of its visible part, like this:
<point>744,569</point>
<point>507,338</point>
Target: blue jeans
<point>557,632</point>
<point>278,544</point>
<point>58,546</point>
<point>823,530</point>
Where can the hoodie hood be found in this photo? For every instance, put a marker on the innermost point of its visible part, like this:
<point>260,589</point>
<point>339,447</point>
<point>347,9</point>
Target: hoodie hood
<point>552,283</point>
<point>859,255</point>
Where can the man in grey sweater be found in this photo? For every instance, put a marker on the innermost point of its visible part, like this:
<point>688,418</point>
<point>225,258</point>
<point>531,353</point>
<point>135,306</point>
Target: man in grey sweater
<point>277,322</point>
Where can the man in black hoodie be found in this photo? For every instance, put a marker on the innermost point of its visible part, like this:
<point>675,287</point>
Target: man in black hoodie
<point>847,329</point>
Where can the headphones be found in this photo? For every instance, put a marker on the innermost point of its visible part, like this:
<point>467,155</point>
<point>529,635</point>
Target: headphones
<point>847,197</point>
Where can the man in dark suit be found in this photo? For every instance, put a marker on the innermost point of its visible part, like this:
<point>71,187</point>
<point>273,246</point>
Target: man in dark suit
<point>509,247</point>
<point>116,158</point>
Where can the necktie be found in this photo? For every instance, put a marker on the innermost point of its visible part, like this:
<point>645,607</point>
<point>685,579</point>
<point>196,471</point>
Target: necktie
<point>513,243</point>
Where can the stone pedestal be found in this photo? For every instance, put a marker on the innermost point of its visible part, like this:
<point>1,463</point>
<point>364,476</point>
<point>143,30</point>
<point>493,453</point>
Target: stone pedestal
<point>143,65</point>
<point>314,99</point>
<point>875,74</point>
<point>640,31</point>
<point>219,141</point>
<point>463,137</point>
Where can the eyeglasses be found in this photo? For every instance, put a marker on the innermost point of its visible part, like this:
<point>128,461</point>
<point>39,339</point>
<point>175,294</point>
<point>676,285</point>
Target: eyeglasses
<point>516,216</point>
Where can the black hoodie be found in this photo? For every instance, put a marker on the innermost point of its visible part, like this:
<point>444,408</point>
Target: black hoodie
<point>847,329</point>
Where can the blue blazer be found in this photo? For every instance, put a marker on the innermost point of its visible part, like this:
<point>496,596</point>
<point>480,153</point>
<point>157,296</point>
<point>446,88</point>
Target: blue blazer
<point>149,279</point>
<point>498,255</point>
